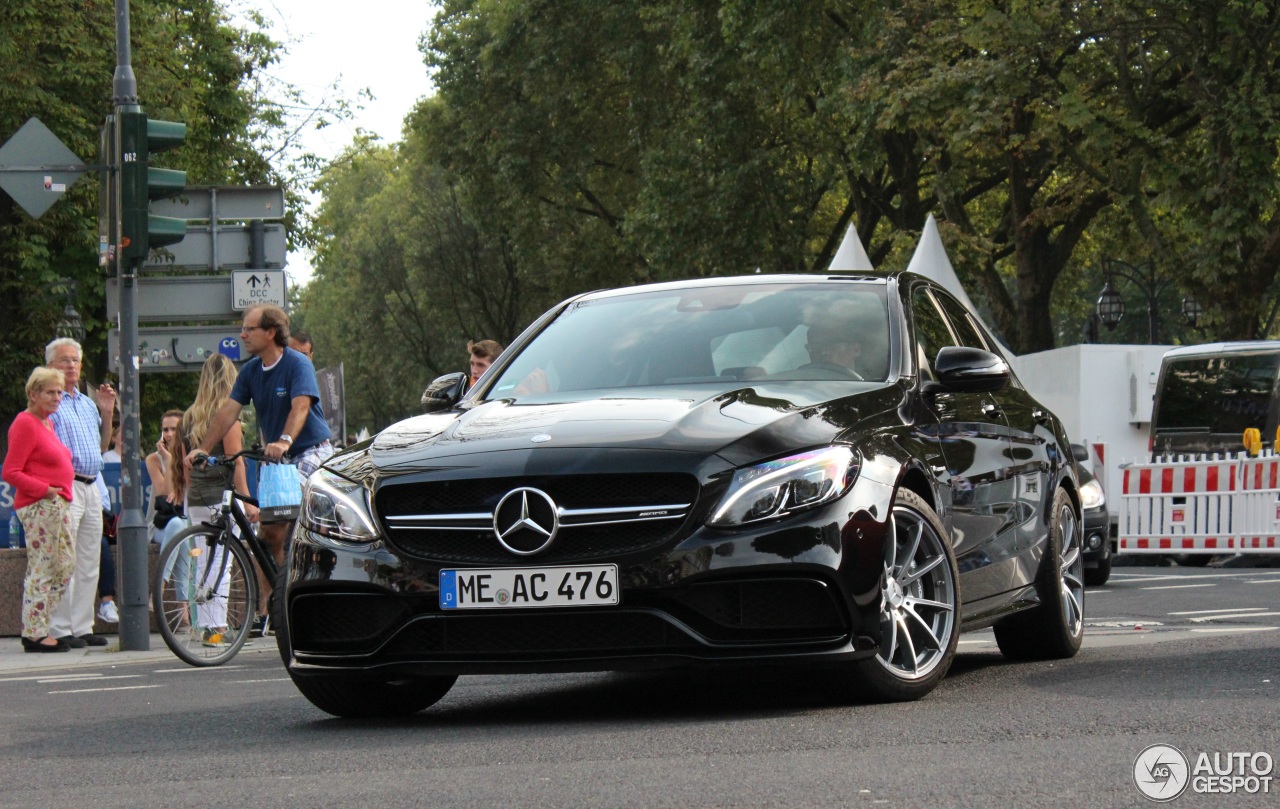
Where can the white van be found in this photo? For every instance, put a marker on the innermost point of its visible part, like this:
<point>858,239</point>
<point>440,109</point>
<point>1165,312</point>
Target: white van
<point>1208,395</point>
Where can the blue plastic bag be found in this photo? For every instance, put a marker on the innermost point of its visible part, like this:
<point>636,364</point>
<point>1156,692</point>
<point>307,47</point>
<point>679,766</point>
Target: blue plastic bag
<point>279,492</point>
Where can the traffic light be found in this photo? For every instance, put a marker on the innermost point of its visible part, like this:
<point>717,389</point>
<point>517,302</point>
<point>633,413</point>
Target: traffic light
<point>137,138</point>
<point>107,197</point>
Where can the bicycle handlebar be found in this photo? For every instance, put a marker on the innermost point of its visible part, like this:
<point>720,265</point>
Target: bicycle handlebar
<point>253,453</point>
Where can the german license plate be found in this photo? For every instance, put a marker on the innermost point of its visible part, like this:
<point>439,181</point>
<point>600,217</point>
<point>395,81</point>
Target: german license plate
<point>508,587</point>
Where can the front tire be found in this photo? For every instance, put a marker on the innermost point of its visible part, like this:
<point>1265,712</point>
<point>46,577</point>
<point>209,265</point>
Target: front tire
<point>1098,576</point>
<point>203,592</point>
<point>919,608</point>
<point>1055,628</point>
<point>353,698</point>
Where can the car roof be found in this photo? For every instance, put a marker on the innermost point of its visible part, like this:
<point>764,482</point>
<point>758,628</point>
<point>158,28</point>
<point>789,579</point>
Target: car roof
<point>739,280</point>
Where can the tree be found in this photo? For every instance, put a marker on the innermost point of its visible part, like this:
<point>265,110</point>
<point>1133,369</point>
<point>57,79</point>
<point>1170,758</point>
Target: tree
<point>57,60</point>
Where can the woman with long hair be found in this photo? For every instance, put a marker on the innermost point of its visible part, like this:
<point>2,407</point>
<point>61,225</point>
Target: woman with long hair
<point>202,488</point>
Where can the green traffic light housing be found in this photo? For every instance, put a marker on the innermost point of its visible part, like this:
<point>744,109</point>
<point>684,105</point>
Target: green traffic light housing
<point>138,138</point>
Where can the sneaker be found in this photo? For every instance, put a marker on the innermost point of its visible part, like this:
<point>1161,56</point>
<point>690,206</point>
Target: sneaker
<point>259,627</point>
<point>107,612</point>
<point>215,638</point>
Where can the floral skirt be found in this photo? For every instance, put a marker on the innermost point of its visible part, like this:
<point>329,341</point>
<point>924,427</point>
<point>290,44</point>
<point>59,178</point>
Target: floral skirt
<point>51,559</point>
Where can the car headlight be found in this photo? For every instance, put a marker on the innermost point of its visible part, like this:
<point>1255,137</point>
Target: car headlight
<point>1091,495</point>
<point>333,506</point>
<point>778,488</point>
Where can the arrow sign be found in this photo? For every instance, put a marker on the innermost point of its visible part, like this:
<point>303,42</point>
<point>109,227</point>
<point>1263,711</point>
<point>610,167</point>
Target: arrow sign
<point>254,287</point>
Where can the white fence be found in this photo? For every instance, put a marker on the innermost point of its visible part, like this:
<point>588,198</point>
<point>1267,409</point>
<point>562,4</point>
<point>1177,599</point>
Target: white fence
<point>1201,505</point>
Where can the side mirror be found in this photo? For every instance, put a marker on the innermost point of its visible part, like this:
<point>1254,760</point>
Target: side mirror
<point>444,392</point>
<point>970,370</point>
<point>1079,452</point>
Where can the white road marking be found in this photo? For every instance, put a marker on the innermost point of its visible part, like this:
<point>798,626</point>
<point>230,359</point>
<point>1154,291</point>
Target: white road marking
<point>94,690</point>
<point>1263,581</point>
<point>1167,577</point>
<point>272,680</point>
<point>1227,629</point>
<point>45,678</point>
<point>197,668</point>
<point>97,678</point>
<point>1206,612</point>
<point>1204,618</point>
<point>1122,624</point>
<point>1179,586</point>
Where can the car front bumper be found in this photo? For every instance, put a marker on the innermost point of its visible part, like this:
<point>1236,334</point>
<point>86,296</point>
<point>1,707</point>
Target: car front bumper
<point>804,587</point>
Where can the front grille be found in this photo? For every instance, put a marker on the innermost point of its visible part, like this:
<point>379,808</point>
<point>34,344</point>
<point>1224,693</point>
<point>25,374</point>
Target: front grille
<point>349,622</point>
<point>801,606</point>
<point>451,521</point>
<point>511,635</point>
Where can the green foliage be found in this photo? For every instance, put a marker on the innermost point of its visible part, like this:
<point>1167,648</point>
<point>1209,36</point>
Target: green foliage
<point>577,144</point>
<point>57,60</point>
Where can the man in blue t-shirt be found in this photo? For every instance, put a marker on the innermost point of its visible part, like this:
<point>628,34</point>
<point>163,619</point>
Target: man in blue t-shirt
<point>281,383</point>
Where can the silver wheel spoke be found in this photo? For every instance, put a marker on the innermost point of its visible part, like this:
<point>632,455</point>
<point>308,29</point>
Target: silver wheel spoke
<point>893,636</point>
<point>908,646</point>
<point>915,545</point>
<point>1072,607</point>
<point>920,571</point>
<point>937,605</point>
<point>1069,558</point>
<point>928,630</point>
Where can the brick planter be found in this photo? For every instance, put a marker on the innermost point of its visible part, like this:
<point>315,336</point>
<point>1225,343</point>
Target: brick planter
<point>13,567</point>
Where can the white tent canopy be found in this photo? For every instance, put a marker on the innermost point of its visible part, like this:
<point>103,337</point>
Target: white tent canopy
<point>851,257</point>
<point>930,260</point>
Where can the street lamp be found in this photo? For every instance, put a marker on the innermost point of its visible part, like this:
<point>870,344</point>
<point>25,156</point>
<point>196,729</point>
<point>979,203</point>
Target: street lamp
<point>1143,276</point>
<point>1192,311</point>
<point>70,325</point>
<point>1110,306</point>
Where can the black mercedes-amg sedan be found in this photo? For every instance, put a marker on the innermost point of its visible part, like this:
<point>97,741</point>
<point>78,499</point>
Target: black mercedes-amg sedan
<point>838,473</point>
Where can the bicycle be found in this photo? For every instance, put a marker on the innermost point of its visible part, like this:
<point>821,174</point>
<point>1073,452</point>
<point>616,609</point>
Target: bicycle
<point>205,589</point>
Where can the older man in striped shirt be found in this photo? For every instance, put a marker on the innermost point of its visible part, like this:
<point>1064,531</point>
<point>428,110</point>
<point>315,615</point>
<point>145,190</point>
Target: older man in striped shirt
<point>84,426</point>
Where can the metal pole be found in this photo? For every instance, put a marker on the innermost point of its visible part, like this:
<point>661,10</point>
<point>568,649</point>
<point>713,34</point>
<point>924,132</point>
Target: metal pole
<point>135,626</point>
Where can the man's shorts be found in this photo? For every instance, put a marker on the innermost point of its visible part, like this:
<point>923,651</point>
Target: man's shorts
<point>310,460</point>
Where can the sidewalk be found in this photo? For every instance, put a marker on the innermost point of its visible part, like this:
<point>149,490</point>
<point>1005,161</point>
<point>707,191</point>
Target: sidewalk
<point>14,660</point>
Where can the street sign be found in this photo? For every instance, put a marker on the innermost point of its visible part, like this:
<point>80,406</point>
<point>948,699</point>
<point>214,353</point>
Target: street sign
<point>36,168</point>
<point>254,287</point>
<point>174,299</point>
<point>232,245</point>
<point>224,203</point>
<point>179,348</point>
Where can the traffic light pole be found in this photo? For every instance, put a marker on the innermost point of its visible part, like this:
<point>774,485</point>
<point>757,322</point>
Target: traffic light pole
<point>135,625</point>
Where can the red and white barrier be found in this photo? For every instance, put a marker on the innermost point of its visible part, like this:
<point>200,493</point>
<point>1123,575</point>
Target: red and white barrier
<point>1206,506</point>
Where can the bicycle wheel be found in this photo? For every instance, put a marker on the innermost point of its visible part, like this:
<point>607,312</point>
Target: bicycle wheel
<point>204,592</point>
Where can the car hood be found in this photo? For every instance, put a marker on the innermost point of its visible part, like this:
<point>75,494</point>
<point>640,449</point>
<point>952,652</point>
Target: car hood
<point>740,425</point>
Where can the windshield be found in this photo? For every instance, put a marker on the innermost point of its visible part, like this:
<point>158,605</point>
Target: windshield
<point>715,334</point>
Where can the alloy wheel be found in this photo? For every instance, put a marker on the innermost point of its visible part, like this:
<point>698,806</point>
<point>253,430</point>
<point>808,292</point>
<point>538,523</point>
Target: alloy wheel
<point>1071,570</point>
<point>918,598</point>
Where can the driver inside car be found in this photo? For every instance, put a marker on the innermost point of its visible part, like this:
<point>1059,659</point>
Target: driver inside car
<point>833,345</point>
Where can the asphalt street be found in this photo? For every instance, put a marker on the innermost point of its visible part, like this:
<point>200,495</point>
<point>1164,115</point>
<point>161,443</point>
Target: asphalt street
<point>1172,656</point>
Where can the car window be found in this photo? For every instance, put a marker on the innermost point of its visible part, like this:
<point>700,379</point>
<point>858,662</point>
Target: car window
<point>932,334</point>
<point>961,322</point>
<point>723,335</point>
<point>1221,395</point>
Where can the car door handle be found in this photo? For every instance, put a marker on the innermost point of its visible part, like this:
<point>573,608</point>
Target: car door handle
<point>1040,416</point>
<point>989,410</point>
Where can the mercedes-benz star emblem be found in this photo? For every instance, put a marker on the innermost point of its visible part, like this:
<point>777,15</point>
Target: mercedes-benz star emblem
<point>526,521</point>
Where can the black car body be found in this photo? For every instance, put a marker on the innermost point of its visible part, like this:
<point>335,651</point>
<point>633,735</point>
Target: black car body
<point>679,474</point>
